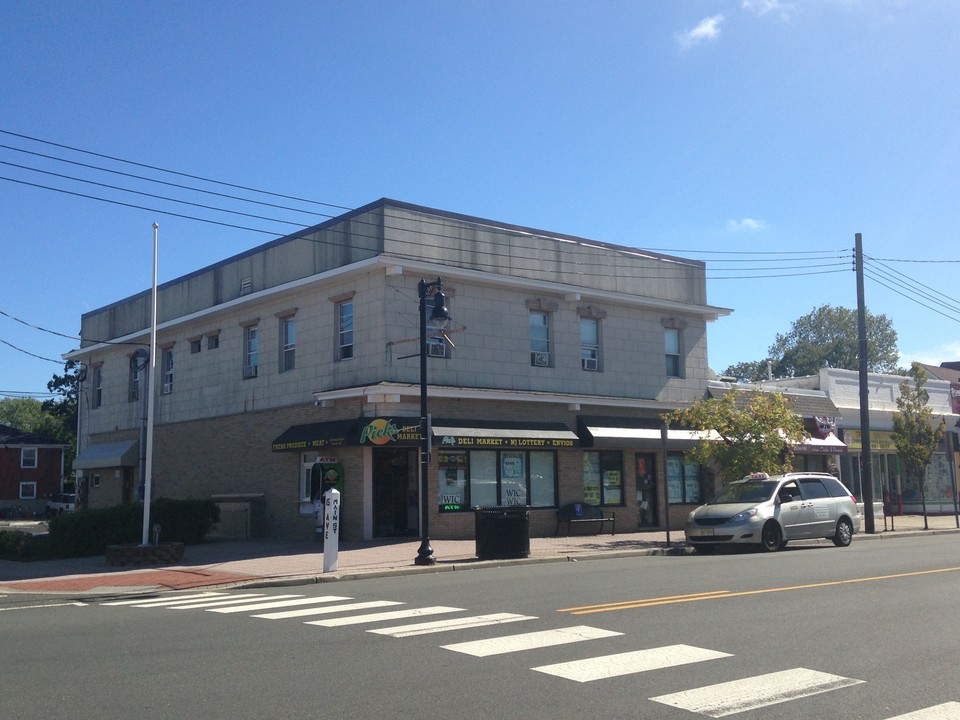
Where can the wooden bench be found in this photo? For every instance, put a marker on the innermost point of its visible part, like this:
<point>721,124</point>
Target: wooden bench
<point>585,513</point>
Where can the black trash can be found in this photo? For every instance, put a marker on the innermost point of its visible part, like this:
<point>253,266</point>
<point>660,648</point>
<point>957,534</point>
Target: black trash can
<point>503,532</point>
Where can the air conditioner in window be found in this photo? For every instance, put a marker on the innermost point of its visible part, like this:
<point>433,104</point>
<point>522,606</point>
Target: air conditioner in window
<point>249,371</point>
<point>540,359</point>
<point>589,363</point>
<point>437,349</point>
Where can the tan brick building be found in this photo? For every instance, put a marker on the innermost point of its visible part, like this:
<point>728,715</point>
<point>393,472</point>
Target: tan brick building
<point>547,388</point>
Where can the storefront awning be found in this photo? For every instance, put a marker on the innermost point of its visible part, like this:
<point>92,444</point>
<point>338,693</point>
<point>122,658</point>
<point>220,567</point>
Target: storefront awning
<point>124,453</point>
<point>830,445</point>
<point>311,436</point>
<point>611,435</point>
<point>450,434</point>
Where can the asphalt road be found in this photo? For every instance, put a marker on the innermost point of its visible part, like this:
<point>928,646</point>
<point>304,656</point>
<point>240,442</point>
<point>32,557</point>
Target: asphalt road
<point>869,631</point>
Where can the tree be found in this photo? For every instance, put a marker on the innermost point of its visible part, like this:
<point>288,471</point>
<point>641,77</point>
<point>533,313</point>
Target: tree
<point>915,433</point>
<point>826,337</point>
<point>67,387</point>
<point>24,413</point>
<point>757,431</point>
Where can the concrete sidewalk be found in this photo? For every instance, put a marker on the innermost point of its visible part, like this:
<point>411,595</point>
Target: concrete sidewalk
<point>225,563</point>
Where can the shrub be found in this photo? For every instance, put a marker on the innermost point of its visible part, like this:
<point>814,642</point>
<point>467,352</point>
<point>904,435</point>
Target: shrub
<point>88,532</point>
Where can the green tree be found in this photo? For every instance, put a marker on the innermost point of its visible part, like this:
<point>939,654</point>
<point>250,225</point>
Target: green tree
<point>757,431</point>
<point>67,389</point>
<point>826,337</point>
<point>23,413</point>
<point>915,433</point>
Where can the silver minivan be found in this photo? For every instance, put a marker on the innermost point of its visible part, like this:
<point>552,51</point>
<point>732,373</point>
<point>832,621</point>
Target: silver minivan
<point>770,510</point>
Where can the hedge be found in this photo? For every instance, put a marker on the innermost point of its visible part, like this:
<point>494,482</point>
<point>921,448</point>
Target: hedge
<point>88,532</point>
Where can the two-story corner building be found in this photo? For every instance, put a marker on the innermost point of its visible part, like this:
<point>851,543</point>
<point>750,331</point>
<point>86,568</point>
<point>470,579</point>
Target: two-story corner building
<point>31,471</point>
<point>296,365</point>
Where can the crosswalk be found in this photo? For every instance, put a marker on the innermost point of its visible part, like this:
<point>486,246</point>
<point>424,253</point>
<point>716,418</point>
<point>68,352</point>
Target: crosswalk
<point>717,700</point>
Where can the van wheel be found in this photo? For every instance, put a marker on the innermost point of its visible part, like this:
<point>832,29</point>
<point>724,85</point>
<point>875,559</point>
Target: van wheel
<point>844,534</point>
<point>770,537</point>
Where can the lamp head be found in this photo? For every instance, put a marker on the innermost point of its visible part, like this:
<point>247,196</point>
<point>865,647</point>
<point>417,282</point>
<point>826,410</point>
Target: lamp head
<point>439,316</point>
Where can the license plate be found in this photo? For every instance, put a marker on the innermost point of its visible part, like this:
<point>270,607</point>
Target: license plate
<point>706,531</point>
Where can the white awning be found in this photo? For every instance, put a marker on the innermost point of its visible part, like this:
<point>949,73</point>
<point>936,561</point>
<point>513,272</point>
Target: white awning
<point>830,445</point>
<point>621,433</point>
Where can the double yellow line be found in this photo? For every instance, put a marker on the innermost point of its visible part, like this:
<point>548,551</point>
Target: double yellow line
<point>724,594</point>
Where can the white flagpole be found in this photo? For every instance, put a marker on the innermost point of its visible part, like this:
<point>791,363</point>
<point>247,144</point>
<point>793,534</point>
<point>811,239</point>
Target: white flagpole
<point>148,465</point>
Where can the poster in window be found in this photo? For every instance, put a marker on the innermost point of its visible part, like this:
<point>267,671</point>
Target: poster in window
<point>612,487</point>
<point>691,482</point>
<point>513,479</point>
<point>591,478</point>
<point>674,479</point>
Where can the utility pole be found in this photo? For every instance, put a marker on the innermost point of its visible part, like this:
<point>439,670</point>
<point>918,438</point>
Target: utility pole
<point>866,470</point>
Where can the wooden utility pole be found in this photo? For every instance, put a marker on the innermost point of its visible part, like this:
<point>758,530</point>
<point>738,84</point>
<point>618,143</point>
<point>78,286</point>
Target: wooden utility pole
<point>866,470</point>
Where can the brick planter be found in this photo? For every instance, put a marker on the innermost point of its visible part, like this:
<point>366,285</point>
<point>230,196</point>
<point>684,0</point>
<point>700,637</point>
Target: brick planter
<point>164,553</point>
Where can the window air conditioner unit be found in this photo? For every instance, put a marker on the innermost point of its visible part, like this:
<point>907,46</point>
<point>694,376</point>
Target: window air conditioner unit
<point>589,363</point>
<point>437,349</point>
<point>249,371</point>
<point>540,359</point>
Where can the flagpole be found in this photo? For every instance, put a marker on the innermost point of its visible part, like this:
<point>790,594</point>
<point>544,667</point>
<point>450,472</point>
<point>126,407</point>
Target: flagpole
<point>148,473</point>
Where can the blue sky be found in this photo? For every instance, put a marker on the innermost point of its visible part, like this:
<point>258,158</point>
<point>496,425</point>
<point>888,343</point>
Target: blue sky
<point>728,131</point>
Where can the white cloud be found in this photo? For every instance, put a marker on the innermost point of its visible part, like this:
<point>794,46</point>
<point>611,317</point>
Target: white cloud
<point>947,352</point>
<point>746,225</point>
<point>765,7</point>
<point>706,29</point>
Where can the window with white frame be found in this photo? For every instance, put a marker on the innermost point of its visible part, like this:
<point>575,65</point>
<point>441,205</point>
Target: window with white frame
<point>28,457</point>
<point>288,343</point>
<point>345,330</point>
<point>540,339</point>
<point>672,346</point>
<point>589,343</point>
<point>28,490</point>
<point>166,374</point>
<point>251,350</point>
<point>137,366</point>
<point>97,397</point>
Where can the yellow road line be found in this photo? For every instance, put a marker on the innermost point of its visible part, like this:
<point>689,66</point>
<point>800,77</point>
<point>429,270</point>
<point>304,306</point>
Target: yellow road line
<point>723,594</point>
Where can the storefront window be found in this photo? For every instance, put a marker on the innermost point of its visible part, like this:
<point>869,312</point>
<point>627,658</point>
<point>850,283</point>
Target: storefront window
<point>683,480</point>
<point>486,478</point>
<point>603,478</point>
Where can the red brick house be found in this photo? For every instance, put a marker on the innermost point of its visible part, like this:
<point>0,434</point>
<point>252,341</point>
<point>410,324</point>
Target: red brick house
<point>31,470</point>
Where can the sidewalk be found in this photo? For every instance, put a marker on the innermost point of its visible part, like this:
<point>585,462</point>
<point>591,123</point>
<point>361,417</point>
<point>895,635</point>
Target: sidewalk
<point>225,563</point>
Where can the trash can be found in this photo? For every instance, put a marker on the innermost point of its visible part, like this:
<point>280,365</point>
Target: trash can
<point>503,532</point>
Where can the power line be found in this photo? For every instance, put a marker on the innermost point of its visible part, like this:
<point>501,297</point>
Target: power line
<point>26,352</point>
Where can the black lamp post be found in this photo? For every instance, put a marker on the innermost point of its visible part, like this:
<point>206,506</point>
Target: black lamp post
<point>439,317</point>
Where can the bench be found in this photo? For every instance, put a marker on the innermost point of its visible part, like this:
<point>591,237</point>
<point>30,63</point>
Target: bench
<point>585,513</point>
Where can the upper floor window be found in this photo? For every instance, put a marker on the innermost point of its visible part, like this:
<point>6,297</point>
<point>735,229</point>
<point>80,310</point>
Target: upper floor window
<point>28,457</point>
<point>288,343</point>
<point>166,374</point>
<point>251,351</point>
<point>195,345</point>
<point>345,330</point>
<point>672,340</point>
<point>540,339</point>
<point>589,343</point>
<point>97,399</point>
<point>213,341</point>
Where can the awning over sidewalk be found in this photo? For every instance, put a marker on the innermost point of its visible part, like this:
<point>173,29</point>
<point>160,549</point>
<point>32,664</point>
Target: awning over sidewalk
<point>124,453</point>
<point>315,435</point>
<point>830,445</point>
<point>625,432</point>
<point>452,433</point>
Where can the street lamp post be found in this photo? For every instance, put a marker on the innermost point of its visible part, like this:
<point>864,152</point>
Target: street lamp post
<point>439,316</point>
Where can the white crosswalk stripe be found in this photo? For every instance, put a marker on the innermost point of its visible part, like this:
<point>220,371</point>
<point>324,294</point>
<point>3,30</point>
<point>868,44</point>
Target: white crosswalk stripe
<point>628,663</point>
<point>165,600</point>
<point>438,626</point>
<point>275,602</point>
<point>529,641</point>
<point>326,610</point>
<point>228,600</point>
<point>755,692</point>
<point>380,617</point>
<point>946,711</point>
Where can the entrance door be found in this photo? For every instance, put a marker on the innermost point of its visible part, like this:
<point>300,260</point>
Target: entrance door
<point>395,494</point>
<point>646,490</point>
